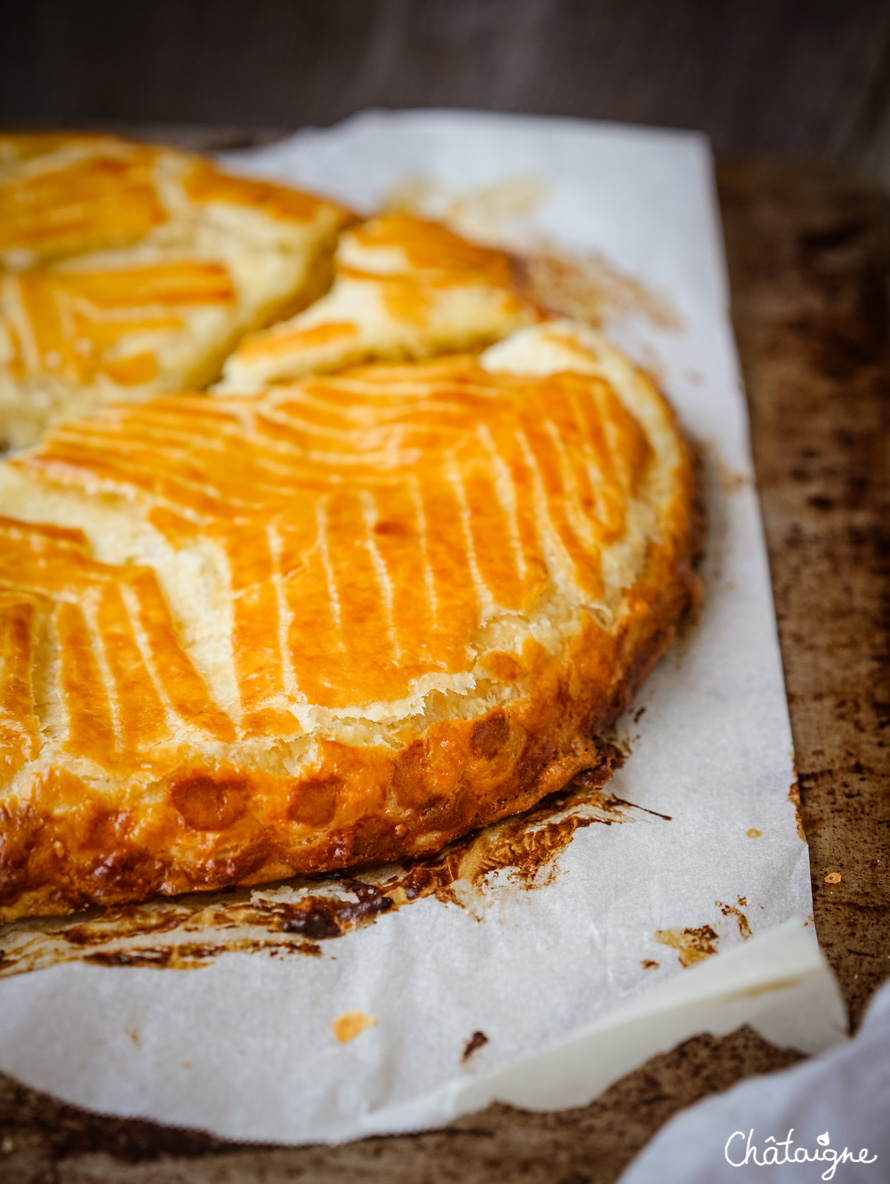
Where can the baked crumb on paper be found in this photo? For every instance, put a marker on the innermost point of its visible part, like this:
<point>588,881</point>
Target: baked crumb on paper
<point>351,1024</point>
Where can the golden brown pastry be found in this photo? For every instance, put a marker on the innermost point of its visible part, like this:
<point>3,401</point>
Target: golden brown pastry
<point>329,623</point>
<point>403,287</point>
<point>128,270</point>
<point>65,194</point>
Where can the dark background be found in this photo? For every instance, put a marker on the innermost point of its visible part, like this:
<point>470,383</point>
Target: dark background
<point>806,77</point>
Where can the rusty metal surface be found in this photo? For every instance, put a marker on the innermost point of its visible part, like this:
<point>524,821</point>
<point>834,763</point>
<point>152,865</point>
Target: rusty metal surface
<point>809,258</point>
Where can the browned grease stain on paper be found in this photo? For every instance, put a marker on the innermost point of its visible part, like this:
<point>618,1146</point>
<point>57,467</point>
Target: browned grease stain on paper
<point>731,910</point>
<point>794,799</point>
<point>477,1040</point>
<point>483,208</point>
<point>583,285</point>
<point>294,917</point>
<point>692,945</point>
<point>586,286</point>
<point>730,480</point>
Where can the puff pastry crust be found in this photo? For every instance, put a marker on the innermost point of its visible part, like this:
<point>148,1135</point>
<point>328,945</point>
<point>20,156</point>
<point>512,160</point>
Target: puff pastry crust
<point>404,287</point>
<point>329,623</point>
<point>127,270</point>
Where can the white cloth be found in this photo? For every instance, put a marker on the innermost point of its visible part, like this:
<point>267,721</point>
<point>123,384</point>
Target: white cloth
<point>836,1101</point>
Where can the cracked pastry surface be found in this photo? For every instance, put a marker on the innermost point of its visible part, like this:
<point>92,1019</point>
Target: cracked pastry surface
<point>128,269</point>
<point>328,623</point>
<point>404,287</point>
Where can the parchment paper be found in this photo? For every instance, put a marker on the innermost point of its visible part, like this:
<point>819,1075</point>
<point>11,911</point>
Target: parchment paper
<point>580,980</point>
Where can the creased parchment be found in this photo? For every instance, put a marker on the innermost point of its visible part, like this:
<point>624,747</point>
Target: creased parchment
<point>690,912</point>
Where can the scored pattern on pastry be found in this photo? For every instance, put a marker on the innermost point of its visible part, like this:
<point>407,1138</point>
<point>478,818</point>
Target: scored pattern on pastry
<point>370,523</point>
<point>404,287</point>
<point>102,617</point>
<point>78,323</point>
<point>67,195</point>
<point>330,622</point>
<point>132,270</point>
<point>84,193</point>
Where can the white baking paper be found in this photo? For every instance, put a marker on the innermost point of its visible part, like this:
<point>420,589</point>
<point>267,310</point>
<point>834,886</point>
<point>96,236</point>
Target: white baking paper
<point>569,982</point>
<point>834,1106</point>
